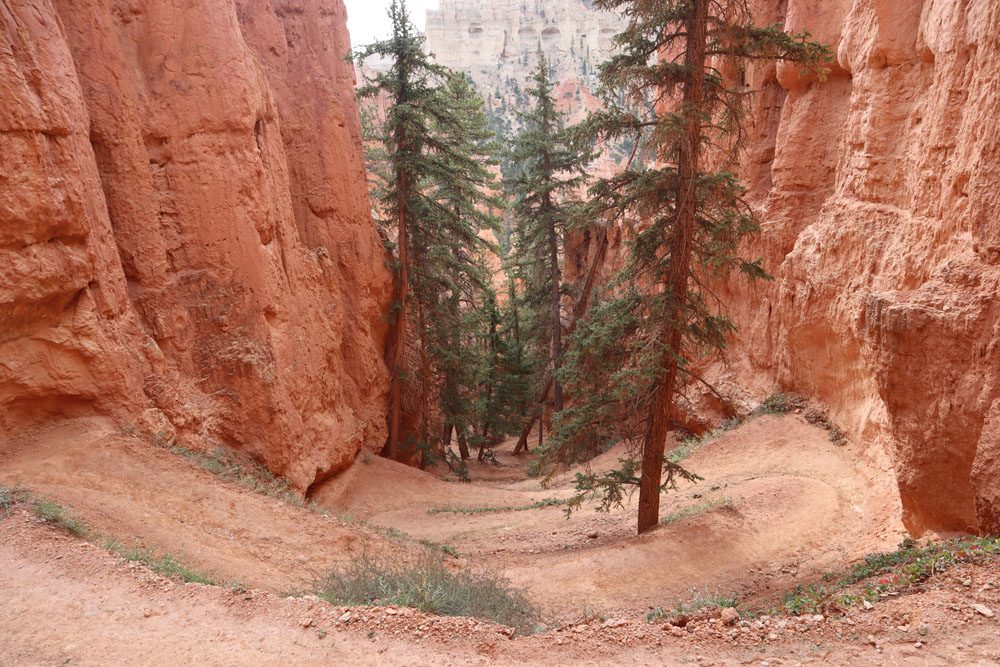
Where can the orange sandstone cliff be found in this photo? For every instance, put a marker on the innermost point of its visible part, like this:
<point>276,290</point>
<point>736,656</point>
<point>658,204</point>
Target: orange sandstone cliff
<point>186,243</point>
<point>880,194</point>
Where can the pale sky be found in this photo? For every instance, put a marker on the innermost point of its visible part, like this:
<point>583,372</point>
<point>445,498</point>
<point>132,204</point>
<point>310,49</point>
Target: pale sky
<point>367,19</point>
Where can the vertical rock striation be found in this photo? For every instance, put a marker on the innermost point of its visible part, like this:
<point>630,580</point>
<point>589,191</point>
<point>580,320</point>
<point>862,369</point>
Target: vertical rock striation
<point>880,193</point>
<point>497,45</point>
<point>185,234</point>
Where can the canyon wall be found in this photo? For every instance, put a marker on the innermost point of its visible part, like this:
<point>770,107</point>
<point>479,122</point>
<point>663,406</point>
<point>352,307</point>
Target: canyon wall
<point>880,197</point>
<point>186,243</point>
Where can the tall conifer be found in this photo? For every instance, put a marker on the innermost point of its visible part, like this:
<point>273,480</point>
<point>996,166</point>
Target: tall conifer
<point>631,357</point>
<point>548,173</point>
<point>434,188</point>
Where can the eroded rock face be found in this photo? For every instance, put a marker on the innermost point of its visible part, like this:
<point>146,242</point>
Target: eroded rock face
<point>497,44</point>
<point>880,193</point>
<point>185,235</point>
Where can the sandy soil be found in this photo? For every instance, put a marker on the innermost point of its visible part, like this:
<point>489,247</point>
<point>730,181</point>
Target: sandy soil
<point>142,495</point>
<point>796,505</point>
<point>67,602</point>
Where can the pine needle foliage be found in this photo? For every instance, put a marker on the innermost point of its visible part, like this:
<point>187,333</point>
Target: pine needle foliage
<point>432,159</point>
<point>686,211</point>
<point>547,174</point>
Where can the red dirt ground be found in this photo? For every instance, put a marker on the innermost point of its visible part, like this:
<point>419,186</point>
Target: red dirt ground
<point>795,505</point>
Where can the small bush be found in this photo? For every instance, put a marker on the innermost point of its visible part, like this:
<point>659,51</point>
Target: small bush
<point>238,468</point>
<point>690,445</point>
<point>56,516</point>
<point>428,585</point>
<point>878,574</point>
<point>548,502</point>
<point>693,607</point>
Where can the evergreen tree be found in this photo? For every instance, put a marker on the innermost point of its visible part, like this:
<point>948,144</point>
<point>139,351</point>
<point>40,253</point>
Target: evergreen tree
<point>631,356</point>
<point>434,189</point>
<point>549,163</point>
<point>451,278</point>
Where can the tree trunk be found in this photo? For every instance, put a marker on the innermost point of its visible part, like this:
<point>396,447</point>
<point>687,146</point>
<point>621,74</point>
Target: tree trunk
<point>395,386</point>
<point>579,310</point>
<point>680,269</point>
<point>555,305</point>
<point>555,275</point>
<point>491,378</point>
<point>463,444</point>
<point>425,370</point>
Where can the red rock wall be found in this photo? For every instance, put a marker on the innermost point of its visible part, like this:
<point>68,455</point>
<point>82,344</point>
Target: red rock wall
<point>880,192</point>
<point>185,235</point>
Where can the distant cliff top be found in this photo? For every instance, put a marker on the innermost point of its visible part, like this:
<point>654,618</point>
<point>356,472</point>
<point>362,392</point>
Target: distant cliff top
<point>496,44</point>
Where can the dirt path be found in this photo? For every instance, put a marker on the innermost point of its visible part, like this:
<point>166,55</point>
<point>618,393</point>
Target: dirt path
<point>67,602</point>
<point>142,495</point>
<point>795,504</point>
<point>791,505</point>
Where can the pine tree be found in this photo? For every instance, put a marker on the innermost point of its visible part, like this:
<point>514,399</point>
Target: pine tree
<point>452,279</point>
<point>434,189</point>
<point>631,356</point>
<point>549,163</point>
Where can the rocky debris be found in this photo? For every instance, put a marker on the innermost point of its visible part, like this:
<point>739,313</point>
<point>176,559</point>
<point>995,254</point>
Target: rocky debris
<point>983,610</point>
<point>729,616</point>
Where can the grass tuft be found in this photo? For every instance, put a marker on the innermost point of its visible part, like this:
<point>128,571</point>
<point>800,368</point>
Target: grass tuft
<point>165,565</point>
<point>429,585</point>
<point>548,502</point>
<point>8,498</point>
<point>693,607</point>
<point>697,509</point>
<point>55,515</point>
<point>241,469</point>
<point>779,404</point>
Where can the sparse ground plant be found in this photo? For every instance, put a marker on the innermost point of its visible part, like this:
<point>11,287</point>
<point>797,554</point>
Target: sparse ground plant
<point>697,509</point>
<point>443,548</point>
<point>882,574</point>
<point>780,404</point>
<point>704,603</point>
<point>656,615</point>
<point>53,514</point>
<point>165,565</point>
<point>690,445</point>
<point>7,500</point>
<point>239,468</point>
<point>548,502</point>
<point>591,613</point>
<point>429,585</point>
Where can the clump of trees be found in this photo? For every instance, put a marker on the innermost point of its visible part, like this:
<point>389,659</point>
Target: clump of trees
<point>456,356</point>
<point>489,362</point>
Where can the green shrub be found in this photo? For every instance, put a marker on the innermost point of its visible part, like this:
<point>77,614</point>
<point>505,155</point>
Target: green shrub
<point>239,468</point>
<point>779,404</point>
<point>429,585</point>
<point>548,502</point>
